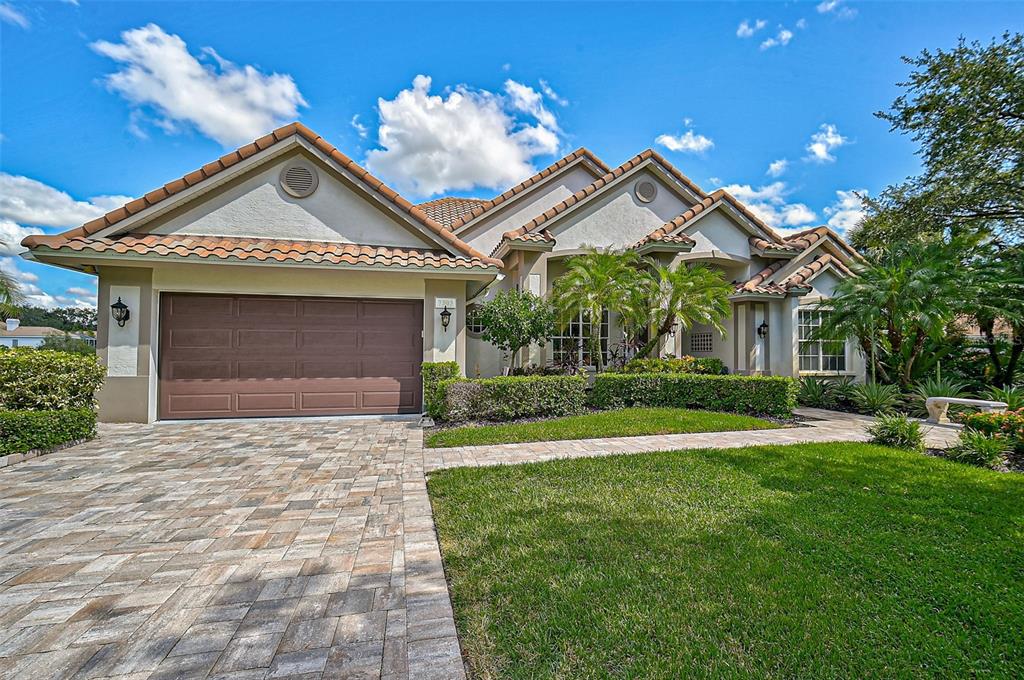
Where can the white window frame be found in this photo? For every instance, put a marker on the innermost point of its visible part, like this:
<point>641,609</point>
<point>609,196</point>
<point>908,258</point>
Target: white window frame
<point>577,335</point>
<point>818,361</point>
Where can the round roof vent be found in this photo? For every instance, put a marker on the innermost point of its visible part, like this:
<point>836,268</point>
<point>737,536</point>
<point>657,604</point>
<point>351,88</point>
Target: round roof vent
<point>299,179</point>
<point>646,190</point>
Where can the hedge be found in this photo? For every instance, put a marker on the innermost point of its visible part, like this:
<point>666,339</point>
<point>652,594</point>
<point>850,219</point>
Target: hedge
<point>762,395</point>
<point>684,364</point>
<point>512,397</point>
<point>22,431</point>
<point>1008,426</point>
<point>435,372</point>
<point>45,380</point>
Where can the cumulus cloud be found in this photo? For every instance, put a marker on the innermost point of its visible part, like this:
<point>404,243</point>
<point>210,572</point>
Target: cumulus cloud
<point>30,291</point>
<point>777,168</point>
<point>747,29</point>
<point>33,203</point>
<point>837,8</point>
<point>769,203</point>
<point>550,93</point>
<point>360,129</point>
<point>461,139</point>
<point>229,103</point>
<point>823,143</point>
<point>688,142</point>
<point>9,15</point>
<point>847,211</point>
<point>781,39</point>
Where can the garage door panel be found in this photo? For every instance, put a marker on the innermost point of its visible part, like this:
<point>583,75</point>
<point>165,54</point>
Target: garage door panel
<point>224,356</point>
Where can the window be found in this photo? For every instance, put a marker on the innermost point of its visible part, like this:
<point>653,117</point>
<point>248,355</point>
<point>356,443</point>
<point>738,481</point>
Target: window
<point>818,355</point>
<point>701,343</point>
<point>473,324</point>
<point>575,338</point>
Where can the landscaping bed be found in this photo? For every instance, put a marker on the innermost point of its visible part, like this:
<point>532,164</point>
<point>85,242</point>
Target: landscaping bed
<point>626,422</point>
<point>827,560</point>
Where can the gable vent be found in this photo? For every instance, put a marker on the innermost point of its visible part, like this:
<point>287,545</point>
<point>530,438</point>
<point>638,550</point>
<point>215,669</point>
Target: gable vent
<point>646,191</point>
<point>299,180</point>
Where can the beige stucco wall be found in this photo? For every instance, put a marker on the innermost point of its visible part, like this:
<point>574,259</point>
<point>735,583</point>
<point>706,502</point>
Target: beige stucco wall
<point>717,232</point>
<point>125,394</point>
<point>256,206</point>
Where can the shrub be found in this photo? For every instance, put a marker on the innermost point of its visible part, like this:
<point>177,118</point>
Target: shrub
<point>1012,396</point>
<point>546,369</point>
<point>512,397</point>
<point>22,431</point>
<point>66,343</point>
<point>872,397</point>
<point>44,380</point>
<point>979,448</point>
<point>842,390</point>
<point>1009,426</point>
<point>774,396</point>
<point>684,364</point>
<point>434,373</point>
<point>897,431</point>
<point>935,387</point>
<point>816,393</point>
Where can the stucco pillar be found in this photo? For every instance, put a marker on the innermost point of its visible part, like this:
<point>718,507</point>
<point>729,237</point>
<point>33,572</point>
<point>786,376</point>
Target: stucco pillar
<point>129,352</point>
<point>440,344</point>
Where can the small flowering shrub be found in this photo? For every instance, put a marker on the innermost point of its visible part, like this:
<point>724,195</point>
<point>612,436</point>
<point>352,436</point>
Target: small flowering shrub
<point>1007,426</point>
<point>980,448</point>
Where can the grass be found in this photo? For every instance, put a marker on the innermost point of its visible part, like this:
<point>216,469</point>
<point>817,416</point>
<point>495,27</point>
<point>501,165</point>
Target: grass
<point>826,560</point>
<point>626,422</point>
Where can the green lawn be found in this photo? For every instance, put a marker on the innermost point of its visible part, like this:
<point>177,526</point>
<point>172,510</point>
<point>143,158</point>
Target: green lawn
<point>627,422</point>
<point>814,561</point>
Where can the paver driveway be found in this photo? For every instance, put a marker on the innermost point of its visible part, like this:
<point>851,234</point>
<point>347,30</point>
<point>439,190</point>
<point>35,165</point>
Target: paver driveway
<point>280,548</point>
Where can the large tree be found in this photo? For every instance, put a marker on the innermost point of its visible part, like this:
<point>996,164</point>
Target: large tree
<point>965,109</point>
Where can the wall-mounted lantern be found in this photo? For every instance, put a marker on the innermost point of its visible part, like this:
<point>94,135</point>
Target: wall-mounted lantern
<point>673,329</point>
<point>762,330</point>
<point>120,312</point>
<point>446,318</point>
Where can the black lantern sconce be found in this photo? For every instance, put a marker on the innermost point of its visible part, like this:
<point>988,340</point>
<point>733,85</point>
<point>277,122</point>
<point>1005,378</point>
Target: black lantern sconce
<point>120,312</point>
<point>446,318</point>
<point>762,330</point>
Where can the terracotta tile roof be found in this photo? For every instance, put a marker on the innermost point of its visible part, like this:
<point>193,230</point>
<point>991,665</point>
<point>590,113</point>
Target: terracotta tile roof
<point>34,332</point>
<point>611,176</point>
<point>759,284</point>
<point>756,283</point>
<point>543,236</point>
<point>664,231</point>
<point>808,237</point>
<point>243,152</point>
<point>240,248</point>
<point>802,275</point>
<point>758,243</point>
<point>450,209</point>
<point>487,206</point>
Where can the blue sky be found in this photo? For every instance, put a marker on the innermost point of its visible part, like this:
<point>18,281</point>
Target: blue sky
<point>103,100</point>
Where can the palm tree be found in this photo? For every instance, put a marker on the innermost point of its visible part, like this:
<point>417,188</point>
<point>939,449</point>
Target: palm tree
<point>597,281</point>
<point>10,292</point>
<point>682,297</point>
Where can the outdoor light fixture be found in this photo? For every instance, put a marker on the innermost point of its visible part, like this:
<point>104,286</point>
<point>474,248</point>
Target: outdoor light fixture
<point>762,330</point>
<point>120,312</point>
<point>446,318</point>
<point>672,330</point>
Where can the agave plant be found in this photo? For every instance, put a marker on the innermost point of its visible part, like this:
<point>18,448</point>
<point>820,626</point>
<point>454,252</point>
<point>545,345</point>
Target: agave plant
<point>815,392</point>
<point>936,387</point>
<point>842,389</point>
<point>1012,395</point>
<point>873,397</point>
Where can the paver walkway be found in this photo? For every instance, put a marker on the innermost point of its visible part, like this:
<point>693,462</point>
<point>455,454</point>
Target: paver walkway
<point>277,548</point>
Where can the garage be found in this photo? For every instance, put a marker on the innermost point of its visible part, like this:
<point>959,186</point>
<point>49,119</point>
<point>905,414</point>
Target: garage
<point>224,356</point>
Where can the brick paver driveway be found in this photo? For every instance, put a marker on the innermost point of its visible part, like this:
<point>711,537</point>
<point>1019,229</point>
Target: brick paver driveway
<point>280,548</point>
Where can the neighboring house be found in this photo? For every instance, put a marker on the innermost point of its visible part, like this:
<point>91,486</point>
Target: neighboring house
<point>13,334</point>
<point>283,279</point>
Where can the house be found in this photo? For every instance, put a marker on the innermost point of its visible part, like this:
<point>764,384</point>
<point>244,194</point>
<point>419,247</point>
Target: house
<point>284,279</point>
<point>13,334</point>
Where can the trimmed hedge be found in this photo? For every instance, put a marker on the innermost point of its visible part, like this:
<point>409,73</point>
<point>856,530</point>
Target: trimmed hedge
<point>45,380</point>
<point>684,364</point>
<point>434,373</point>
<point>22,431</point>
<point>512,397</point>
<point>764,395</point>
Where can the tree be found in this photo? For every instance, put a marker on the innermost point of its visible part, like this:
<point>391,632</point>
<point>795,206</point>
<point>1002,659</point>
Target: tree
<point>995,293</point>
<point>965,108</point>
<point>10,292</point>
<point>514,319</point>
<point>682,297</point>
<point>597,281</point>
<point>70,319</point>
<point>66,343</point>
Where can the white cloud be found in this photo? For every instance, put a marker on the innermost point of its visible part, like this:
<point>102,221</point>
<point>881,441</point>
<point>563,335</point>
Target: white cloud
<point>361,129</point>
<point>31,293</point>
<point>9,15</point>
<point>847,211</point>
<point>11,235</point>
<point>30,202</point>
<point>837,7</point>
<point>462,139</point>
<point>688,142</point>
<point>229,103</point>
<point>769,203</point>
<point>781,38</point>
<point>550,93</point>
<point>746,29</point>
<point>801,24</point>
<point>823,142</point>
<point>776,168</point>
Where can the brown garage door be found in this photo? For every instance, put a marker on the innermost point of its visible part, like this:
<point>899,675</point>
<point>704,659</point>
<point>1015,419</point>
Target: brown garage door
<point>224,356</point>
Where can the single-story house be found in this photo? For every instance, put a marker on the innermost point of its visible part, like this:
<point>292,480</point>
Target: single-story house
<point>284,279</point>
<point>13,334</point>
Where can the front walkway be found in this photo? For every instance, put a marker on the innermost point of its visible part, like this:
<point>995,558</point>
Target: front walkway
<point>277,548</point>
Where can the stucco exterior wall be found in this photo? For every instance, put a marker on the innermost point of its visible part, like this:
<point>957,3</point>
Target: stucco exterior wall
<point>257,207</point>
<point>128,353</point>
<point>718,232</point>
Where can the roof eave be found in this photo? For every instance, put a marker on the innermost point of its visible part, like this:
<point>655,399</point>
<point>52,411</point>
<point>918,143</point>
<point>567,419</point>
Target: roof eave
<point>658,247</point>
